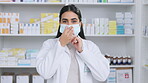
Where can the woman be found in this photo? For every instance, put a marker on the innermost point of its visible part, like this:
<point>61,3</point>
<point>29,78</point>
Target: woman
<point>69,58</point>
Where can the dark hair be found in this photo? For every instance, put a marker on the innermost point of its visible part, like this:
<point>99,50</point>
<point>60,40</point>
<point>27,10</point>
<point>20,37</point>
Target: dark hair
<point>74,9</point>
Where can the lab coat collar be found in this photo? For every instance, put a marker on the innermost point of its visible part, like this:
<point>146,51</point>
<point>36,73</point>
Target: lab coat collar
<point>66,47</point>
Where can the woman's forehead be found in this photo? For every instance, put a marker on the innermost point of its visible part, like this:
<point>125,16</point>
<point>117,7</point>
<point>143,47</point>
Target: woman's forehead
<point>69,15</point>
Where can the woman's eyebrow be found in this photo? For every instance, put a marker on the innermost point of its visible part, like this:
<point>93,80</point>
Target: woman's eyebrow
<point>64,19</point>
<point>74,19</point>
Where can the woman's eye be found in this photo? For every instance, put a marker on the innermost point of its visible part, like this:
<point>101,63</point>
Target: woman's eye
<point>74,21</point>
<point>64,21</point>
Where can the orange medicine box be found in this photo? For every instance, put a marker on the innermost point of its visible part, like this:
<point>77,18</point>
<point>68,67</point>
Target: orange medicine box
<point>1,17</point>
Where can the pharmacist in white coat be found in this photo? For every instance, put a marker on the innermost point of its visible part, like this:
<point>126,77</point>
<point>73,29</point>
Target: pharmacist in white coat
<point>70,58</point>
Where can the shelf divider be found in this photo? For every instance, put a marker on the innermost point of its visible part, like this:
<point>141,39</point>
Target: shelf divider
<point>63,3</point>
<point>112,66</point>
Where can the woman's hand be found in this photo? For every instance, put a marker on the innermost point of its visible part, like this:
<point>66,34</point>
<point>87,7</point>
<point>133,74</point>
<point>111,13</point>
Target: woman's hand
<point>66,36</point>
<point>77,42</point>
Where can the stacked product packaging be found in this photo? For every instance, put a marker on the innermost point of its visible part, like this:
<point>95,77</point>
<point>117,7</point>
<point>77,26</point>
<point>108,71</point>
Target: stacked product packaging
<point>119,1</point>
<point>123,25</point>
<point>29,0</point>
<point>29,28</point>
<point>18,57</point>
<point>80,1</point>
<point>48,23</point>
<point>9,23</point>
<point>10,77</point>
<point>120,75</point>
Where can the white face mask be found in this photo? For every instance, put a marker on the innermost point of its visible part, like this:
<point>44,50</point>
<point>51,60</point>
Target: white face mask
<point>76,28</point>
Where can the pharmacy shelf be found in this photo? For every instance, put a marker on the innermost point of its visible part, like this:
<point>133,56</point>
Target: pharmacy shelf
<point>64,3</point>
<point>145,36</point>
<point>3,35</point>
<point>145,3</point>
<point>126,4</point>
<point>109,35</point>
<point>17,67</point>
<point>19,35</point>
<point>112,66</point>
<point>121,66</point>
<point>32,3</point>
<point>146,67</point>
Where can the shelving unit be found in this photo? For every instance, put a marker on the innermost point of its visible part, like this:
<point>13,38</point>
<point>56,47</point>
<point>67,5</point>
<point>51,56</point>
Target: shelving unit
<point>11,35</point>
<point>112,44</point>
<point>62,3</point>
<point>122,66</point>
<point>21,35</point>
<point>17,66</point>
<point>146,67</point>
<point>144,42</point>
<point>145,36</point>
<point>112,66</point>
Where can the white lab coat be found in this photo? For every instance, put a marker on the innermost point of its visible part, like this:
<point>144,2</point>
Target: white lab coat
<point>53,62</point>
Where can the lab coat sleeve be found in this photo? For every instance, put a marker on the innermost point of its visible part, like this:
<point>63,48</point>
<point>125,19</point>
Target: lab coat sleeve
<point>95,61</point>
<point>49,58</point>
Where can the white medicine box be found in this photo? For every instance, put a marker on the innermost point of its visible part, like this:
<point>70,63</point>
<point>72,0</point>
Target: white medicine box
<point>22,79</point>
<point>112,76</point>
<point>120,21</point>
<point>6,79</point>
<point>119,15</point>
<point>128,15</point>
<point>124,75</point>
<point>113,1</point>
<point>127,1</point>
<point>37,79</point>
<point>128,21</point>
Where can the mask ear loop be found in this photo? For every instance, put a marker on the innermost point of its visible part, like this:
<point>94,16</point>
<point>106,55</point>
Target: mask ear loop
<point>80,28</point>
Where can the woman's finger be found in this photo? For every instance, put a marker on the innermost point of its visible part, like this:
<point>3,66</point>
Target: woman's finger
<point>67,29</point>
<point>70,29</point>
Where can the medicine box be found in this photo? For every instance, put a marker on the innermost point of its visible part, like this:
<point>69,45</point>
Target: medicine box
<point>128,20</point>
<point>127,1</point>
<point>124,75</point>
<point>112,25</point>
<point>120,29</point>
<point>6,79</point>
<point>22,79</point>
<point>37,79</point>
<point>119,15</point>
<point>120,21</point>
<point>113,1</point>
<point>112,31</point>
<point>112,76</point>
<point>128,15</point>
<point>24,62</point>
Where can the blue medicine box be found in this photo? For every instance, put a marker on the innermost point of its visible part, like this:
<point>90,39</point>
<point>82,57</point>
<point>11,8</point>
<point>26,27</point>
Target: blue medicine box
<point>120,29</point>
